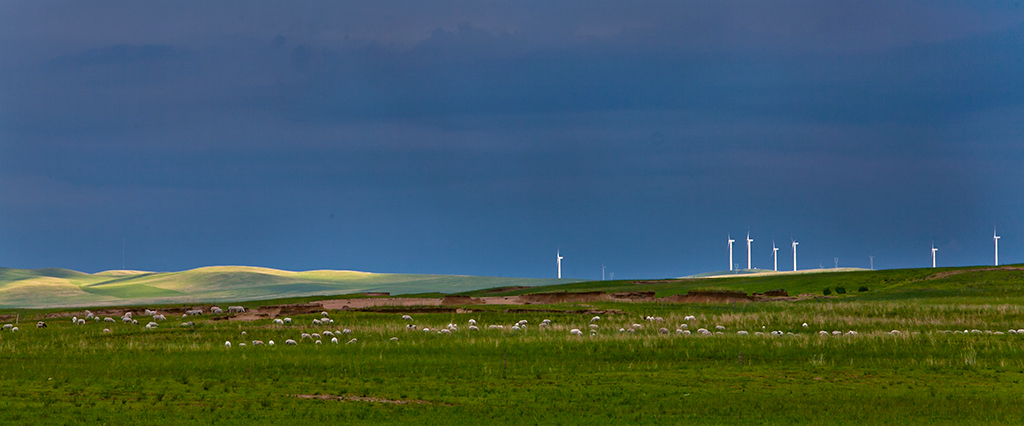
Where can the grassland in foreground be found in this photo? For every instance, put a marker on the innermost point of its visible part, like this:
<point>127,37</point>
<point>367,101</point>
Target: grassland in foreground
<point>70,374</point>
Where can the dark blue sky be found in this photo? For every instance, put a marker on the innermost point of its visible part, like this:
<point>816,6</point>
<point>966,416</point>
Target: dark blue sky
<point>476,137</point>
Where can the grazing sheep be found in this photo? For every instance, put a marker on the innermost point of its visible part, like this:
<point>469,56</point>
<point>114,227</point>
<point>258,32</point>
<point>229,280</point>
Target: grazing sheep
<point>287,320</point>
<point>426,330</point>
<point>758,333</point>
<point>720,327</point>
<point>594,326</point>
<point>152,324</point>
<point>316,336</point>
<point>236,310</point>
<point>159,317</point>
<point>1012,331</point>
<point>409,318</point>
<point>546,322</point>
<point>515,328</point>
<point>74,320</point>
<point>631,330</point>
<point>257,342</point>
<point>334,340</point>
<point>684,326</point>
<point>327,321</point>
<point>109,319</point>
<point>149,327</point>
<point>638,326</point>
<point>270,343</point>
<point>97,319</point>
<point>702,330</point>
<point>472,321</point>
<point>278,321</point>
<point>149,313</point>
<point>317,342</point>
<point>106,330</point>
<point>689,318</point>
<point>328,333</point>
<point>135,322</point>
<point>444,331</point>
<point>241,345</point>
<point>291,342</point>
<point>742,333</point>
<point>595,319</point>
<point>576,332</point>
<point>410,326</point>
<point>41,324</point>
<point>324,314</point>
<point>1020,331</point>
<point>659,319</point>
<point>216,310</point>
<point>81,321</point>
<point>494,327</point>
<point>316,322</point>
<point>244,334</point>
<point>837,333</point>
<point>851,333</point>
<point>686,332</point>
<point>393,339</point>
<point>663,330</point>
<point>894,332</point>
<point>305,336</point>
<point>346,331</point>
<point>188,324</point>
<point>127,315</point>
<point>777,333</point>
<point>805,325</point>
<point>227,344</point>
<point>8,326</point>
<point>823,333</point>
<point>350,341</point>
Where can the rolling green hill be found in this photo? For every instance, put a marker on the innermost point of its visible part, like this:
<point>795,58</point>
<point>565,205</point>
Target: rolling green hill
<point>53,287</point>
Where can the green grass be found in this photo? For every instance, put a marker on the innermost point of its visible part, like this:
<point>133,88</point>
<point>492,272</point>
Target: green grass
<point>67,374</point>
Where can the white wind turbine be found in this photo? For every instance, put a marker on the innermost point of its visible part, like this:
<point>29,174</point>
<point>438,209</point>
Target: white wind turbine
<point>775,256</point>
<point>602,272</point>
<point>558,256</point>
<point>933,254</point>
<point>748,249</point>
<point>995,237</point>
<point>730,250</point>
<point>794,255</point>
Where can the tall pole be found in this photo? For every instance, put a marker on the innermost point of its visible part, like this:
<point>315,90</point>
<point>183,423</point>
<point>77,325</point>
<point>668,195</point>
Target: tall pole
<point>995,237</point>
<point>748,249</point>
<point>933,255</point>
<point>794,255</point>
<point>872,259</point>
<point>558,254</point>
<point>602,272</point>
<point>730,251</point>
<point>775,256</point>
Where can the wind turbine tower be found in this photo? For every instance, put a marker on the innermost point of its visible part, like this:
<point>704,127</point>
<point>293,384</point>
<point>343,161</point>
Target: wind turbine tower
<point>602,272</point>
<point>748,249</point>
<point>995,237</point>
<point>558,256</point>
<point>794,255</point>
<point>933,254</point>
<point>775,256</point>
<point>730,250</point>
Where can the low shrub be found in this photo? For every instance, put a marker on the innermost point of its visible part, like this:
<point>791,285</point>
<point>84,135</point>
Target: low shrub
<point>862,289</point>
<point>840,290</point>
<point>827,291</point>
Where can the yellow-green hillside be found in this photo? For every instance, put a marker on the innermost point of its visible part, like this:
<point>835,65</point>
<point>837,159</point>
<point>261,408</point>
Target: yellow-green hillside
<point>53,287</point>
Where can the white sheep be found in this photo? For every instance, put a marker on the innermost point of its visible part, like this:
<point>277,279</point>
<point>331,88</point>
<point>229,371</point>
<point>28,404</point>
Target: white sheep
<point>594,326</point>
<point>445,331</point>
<point>257,342</point>
<point>227,344</point>
<point>630,330</point>
<point>244,334</point>
<point>472,321</point>
<point>689,318</point>
<point>595,319</point>
<point>278,321</point>
<point>638,326</point>
<point>152,324</point>
<point>346,331</point>
<point>316,322</point>
<point>720,327</point>
<point>684,326</point>
<point>409,318</point>
<point>270,343</point>
<point>106,330</point>
<point>159,317</point>
<point>236,310</point>
<point>74,320</point>
<point>742,333</point>
<point>241,345</point>
<point>350,341</point>
<point>659,319</point>
<point>576,332</point>
<point>8,326</point>
<point>334,340</point>
<point>837,333</point>
<point>805,325</point>
<point>41,324</point>
<point>127,314</point>
<point>81,321</point>
<point>394,339</point>
<point>287,320</point>
<point>316,336</point>
<point>702,330</point>
<point>686,332</point>
<point>317,342</point>
<point>515,327</point>
<point>291,342</point>
<point>495,327</point>
<point>823,333</point>
<point>216,310</point>
<point>426,329</point>
<point>305,336</point>
<point>473,328</point>
<point>328,333</point>
<point>109,319</point>
<point>663,330</point>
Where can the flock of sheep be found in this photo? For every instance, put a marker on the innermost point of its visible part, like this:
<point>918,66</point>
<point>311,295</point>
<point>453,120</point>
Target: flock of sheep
<point>594,327</point>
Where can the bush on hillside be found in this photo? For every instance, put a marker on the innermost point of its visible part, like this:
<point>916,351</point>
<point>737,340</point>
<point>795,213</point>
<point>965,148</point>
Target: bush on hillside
<point>840,290</point>
<point>827,291</point>
<point>862,289</point>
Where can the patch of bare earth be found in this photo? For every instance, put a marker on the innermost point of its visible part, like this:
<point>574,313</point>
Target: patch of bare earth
<point>945,274</point>
<point>372,399</point>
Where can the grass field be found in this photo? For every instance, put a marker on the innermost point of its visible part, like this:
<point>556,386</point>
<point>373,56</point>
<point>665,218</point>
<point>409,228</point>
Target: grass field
<point>54,287</point>
<point>69,374</point>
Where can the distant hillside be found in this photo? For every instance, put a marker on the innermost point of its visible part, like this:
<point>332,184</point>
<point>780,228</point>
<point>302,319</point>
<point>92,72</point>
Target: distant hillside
<point>53,287</point>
